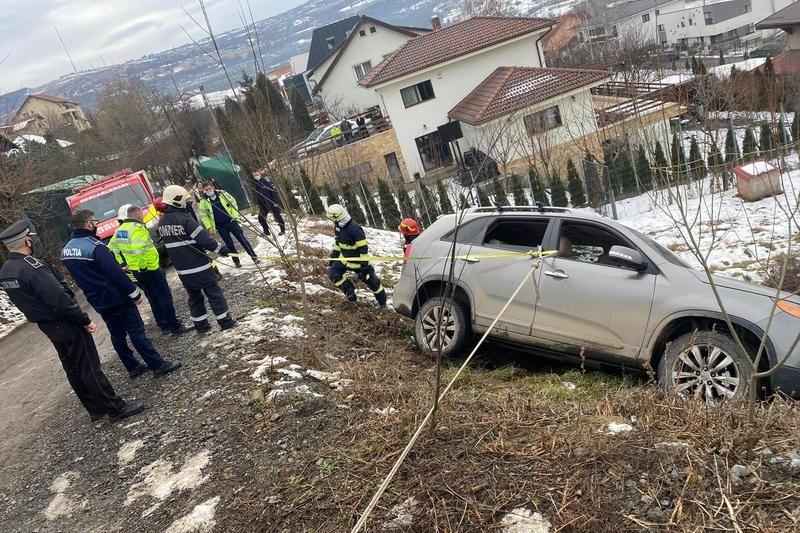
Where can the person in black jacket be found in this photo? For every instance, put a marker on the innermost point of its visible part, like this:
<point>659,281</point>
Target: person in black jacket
<point>46,300</point>
<point>187,243</point>
<point>350,244</point>
<point>109,290</point>
<point>269,201</point>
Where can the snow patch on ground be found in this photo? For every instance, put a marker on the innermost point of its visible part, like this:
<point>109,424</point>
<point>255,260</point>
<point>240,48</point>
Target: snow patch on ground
<point>63,504</point>
<point>127,452</point>
<point>403,515</point>
<point>616,428</point>
<point>200,520</point>
<point>10,316</point>
<point>265,366</point>
<point>160,479</point>
<point>522,520</point>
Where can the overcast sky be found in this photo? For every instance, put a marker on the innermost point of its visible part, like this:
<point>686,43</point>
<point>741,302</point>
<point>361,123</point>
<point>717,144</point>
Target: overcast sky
<point>97,30</point>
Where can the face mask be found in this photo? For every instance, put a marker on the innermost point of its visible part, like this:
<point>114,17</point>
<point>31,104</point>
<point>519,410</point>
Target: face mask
<point>211,194</point>
<point>93,229</point>
<point>258,178</point>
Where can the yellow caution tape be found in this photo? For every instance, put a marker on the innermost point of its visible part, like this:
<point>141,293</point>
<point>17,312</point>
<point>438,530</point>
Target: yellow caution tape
<point>398,259</point>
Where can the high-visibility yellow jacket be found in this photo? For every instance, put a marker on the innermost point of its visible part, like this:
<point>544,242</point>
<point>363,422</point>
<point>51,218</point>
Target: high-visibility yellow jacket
<point>134,247</point>
<point>206,209</point>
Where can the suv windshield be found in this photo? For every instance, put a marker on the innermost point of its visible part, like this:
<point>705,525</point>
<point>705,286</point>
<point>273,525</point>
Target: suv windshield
<point>665,253</point>
<point>106,206</point>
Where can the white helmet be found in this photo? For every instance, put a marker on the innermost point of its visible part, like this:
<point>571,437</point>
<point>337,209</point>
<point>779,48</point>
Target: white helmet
<point>337,214</point>
<point>175,195</point>
<point>122,214</point>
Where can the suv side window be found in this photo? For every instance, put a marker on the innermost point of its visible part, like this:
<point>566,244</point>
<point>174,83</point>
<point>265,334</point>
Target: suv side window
<point>468,232</point>
<point>516,234</point>
<point>588,243</point>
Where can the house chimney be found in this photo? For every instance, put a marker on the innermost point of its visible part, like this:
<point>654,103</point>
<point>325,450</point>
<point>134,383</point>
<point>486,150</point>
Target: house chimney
<point>436,23</point>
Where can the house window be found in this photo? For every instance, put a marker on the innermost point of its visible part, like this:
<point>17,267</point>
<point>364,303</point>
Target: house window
<point>330,42</point>
<point>417,93</point>
<point>433,152</point>
<point>373,29</point>
<point>614,31</point>
<point>661,27</point>
<point>691,22</point>
<point>646,17</point>
<point>362,69</point>
<point>362,33</point>
<point>544,120</point>
<point>709,17</point>
<point>658,12</point>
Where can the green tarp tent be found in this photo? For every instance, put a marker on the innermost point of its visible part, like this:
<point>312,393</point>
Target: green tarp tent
<point>223,172</point>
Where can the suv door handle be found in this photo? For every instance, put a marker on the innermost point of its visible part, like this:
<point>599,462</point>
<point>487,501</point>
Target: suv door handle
<point>560,274</point>
<point>471,260</point>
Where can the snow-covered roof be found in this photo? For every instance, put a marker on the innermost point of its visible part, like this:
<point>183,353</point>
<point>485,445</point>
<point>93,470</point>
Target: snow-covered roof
<point>22,140</point>
<point>724,71</point>
<point>215,99</point>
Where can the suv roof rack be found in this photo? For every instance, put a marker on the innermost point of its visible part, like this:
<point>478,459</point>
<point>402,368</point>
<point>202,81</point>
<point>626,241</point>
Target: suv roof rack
<point>539,207</point>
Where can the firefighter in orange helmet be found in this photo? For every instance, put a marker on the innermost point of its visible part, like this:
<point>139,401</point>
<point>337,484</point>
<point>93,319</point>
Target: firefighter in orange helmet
<point>410,231</point>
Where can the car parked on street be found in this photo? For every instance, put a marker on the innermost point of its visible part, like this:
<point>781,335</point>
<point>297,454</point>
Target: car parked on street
<point>609,296</point>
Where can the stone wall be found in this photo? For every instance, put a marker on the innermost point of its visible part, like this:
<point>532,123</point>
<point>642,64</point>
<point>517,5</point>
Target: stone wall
<point>365,159</point>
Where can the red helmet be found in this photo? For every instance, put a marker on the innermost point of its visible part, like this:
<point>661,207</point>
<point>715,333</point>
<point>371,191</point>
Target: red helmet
<point>159,204</point>
<point>409,227</point>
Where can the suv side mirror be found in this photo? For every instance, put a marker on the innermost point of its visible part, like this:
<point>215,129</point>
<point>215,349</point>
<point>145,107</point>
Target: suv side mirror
<point>628,258</point>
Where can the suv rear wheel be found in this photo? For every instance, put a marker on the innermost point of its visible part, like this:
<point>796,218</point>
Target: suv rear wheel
<point>707,366</point>
<point>455,326</point>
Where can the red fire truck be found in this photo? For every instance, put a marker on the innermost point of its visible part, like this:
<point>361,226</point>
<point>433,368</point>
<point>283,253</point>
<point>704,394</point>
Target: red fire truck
<point>106,195</point>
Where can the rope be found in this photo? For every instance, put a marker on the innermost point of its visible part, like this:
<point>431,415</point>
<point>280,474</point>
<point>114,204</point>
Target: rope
<point>382,488</point>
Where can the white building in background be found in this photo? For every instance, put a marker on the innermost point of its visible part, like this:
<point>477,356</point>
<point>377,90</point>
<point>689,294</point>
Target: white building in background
<point>681,23</point>
<point>426,77</point>
<point>335,77</point>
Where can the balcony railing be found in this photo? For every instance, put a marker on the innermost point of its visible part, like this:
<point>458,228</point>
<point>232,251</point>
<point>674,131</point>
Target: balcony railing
<point>374,123</point>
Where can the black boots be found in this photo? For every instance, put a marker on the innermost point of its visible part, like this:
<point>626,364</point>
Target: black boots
<point>166,367</point>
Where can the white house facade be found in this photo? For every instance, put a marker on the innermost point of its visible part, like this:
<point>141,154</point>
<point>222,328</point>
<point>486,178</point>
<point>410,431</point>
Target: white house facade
<point>523,113</point>
<point>426,77</point>
<point>336,79</point>
<point>681,23</point>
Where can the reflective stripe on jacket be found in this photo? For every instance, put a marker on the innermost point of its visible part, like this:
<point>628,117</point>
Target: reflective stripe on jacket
<point>187,242</point>
<point>207,209</point>
<point>351,242</point>
<point>133,246</point>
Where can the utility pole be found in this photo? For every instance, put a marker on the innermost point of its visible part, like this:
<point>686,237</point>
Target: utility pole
<point>74,68</point>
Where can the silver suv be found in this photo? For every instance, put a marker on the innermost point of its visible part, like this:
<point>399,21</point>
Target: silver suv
<point>611,295</point>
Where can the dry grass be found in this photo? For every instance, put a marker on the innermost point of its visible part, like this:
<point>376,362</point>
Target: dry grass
<point>508,437</point>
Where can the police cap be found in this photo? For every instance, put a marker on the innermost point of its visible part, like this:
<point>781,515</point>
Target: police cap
<point>16,231</point>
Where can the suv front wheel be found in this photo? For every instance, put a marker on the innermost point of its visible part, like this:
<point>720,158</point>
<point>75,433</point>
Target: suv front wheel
<point>707,366</point>
<point>453,333</point>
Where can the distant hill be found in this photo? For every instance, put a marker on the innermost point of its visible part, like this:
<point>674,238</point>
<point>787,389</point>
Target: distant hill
<point>281,36</point>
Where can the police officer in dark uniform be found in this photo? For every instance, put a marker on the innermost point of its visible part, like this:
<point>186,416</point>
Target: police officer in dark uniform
<point>47,301</point>
<point>269,201</point>
<point>187,243</point>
